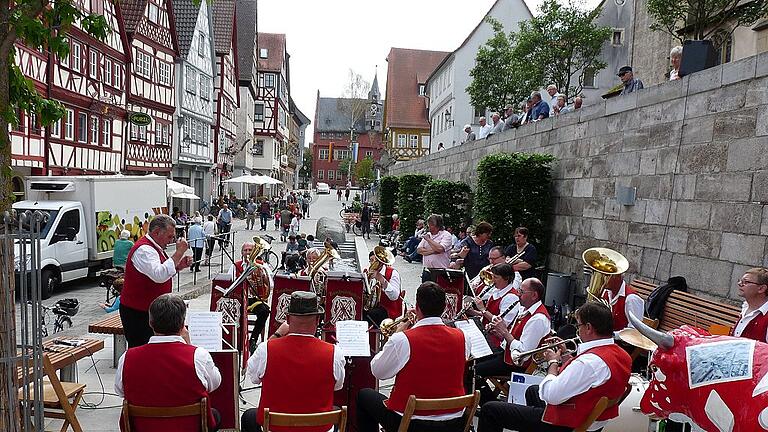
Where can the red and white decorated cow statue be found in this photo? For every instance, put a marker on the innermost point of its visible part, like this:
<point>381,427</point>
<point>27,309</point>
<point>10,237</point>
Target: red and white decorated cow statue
<point>718,383</point>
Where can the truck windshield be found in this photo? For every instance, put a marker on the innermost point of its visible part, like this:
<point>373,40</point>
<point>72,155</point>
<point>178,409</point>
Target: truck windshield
<point>49,216</point>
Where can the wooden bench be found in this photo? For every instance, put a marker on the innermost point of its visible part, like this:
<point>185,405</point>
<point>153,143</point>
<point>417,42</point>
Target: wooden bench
<point>687,308</point>
<point>114,326</point>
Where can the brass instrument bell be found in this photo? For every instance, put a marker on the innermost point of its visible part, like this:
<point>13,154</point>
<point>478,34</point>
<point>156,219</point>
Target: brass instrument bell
<point>604,263</point>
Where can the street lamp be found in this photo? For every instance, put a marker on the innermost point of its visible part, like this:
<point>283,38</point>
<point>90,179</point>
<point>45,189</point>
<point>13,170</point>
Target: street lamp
<point>447,115</point>
<point>186,143</point>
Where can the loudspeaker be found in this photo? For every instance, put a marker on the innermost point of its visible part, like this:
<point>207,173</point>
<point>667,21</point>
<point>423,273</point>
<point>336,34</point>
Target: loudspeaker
<point>697,56</point>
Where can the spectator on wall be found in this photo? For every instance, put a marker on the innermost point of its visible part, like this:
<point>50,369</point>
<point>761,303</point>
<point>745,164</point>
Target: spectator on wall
<point>553,94</point>
<point>485,129</point>
<point>470,134</point>
<point>630,82</point>
<point>675,57</point>
<point>559,105</point>
<point>510,118</point>
<point>577,101</point>
<point>498,125</point>
<point>539,109</point>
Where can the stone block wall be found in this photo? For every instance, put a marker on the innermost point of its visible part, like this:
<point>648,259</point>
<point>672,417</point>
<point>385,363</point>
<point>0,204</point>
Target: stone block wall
<point>696,150</point>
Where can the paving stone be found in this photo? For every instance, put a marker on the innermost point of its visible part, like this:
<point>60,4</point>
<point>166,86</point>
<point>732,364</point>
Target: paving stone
<point>739,70</point>
<point>676,240</point>
<point>657,212</point>
<point>747,154</point>
<point>698,130</point>
<point>648,162</point>
<point>737,125</point>
<point>594,207</point>
<point>633,213</point>
<point>703,158</point>
<point>645,235</point>
<point>707,79</point>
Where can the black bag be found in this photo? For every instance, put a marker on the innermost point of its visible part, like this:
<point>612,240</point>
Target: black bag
<point>658,298</point>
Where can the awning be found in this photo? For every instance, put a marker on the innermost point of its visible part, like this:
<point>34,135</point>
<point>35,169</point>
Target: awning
<point>254,179</point>
<point>186,195</point>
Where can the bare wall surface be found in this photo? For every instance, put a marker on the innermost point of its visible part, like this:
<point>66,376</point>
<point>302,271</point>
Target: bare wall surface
<point>696,150</point>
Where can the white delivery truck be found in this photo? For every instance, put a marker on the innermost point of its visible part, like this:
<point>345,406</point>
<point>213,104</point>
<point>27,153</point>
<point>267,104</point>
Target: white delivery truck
<point>84,216</point>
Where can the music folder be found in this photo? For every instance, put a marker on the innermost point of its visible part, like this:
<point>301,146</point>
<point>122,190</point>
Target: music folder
<point>352,337</point>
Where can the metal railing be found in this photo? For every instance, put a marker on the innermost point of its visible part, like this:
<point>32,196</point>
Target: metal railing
<point>214,259</point>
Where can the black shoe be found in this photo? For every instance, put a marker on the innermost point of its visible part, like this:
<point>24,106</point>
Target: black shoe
<point>407,259</point>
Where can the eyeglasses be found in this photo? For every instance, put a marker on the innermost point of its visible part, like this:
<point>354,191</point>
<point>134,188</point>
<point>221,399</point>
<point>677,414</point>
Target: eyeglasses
<point>623,73</point>
<point>743,282</point>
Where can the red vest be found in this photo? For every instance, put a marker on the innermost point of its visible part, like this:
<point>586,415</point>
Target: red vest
<point>163,375</point>
<point>575,410</point>
<point>298,384</point>
<point>517,332</point>
<point>756,329</point>
<point>494,307</point>
<point>139,291</point>
<point>434,370</point>
<point>394,308</point>
<point>620,320</point>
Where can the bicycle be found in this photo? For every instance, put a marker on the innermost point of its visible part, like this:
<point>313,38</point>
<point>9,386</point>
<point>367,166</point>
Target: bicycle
<point>64,309</point>
<point>270,257</point>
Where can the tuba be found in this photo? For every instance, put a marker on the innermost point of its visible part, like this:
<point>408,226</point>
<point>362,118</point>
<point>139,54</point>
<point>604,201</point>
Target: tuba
<point>372,294</point>
<point>317,272</point>
<point>604,263</point>
<point>252,272</point>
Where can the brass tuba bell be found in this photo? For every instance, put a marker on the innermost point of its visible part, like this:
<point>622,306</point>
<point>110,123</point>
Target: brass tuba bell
<point>604,263</point>
<point>317,271</point>
<point>372,294</point>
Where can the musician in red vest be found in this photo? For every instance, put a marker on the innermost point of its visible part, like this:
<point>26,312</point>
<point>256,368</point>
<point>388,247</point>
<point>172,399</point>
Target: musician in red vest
<point>753,286</point>
<point>502,299</point>
<point>298,372</point>
<point>622,299</point>
<point>566,396</point>
<point>167,371</point>
<point>149,273</point>
<point>257,288</point>
<point>427,360</point>
<point>391,300</point>
<point>530,327</point>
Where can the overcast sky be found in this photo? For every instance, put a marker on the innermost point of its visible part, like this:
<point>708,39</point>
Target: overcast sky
<point>326,38</point>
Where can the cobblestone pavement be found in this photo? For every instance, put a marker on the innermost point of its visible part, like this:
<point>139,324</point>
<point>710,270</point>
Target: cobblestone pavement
<point>100,410</point>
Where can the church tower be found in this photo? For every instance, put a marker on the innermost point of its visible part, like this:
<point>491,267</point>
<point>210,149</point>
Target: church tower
<point>374,113</point>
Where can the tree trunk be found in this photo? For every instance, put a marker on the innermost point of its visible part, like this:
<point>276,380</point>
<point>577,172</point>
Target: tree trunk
<point>9,414</point>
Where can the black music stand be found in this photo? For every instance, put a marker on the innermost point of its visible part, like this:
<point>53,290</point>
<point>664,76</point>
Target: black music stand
<point>452,281</point>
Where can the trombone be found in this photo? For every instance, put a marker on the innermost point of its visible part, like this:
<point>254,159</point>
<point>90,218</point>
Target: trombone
<point>537,354</point>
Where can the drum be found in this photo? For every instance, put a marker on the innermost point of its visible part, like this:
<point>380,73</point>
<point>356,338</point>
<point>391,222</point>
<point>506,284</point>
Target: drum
<point>630,418</point>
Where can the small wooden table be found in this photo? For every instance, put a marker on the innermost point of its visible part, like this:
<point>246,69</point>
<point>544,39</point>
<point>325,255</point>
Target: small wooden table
<point>64,358</point>
<point>114,326</point>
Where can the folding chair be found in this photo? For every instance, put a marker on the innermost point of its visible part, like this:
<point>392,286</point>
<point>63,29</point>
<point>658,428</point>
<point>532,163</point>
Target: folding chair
<point>195,409</point>
<point>602,404</point>
<point>469,402</point>
<point>56,397</point>
<point>337,418</point>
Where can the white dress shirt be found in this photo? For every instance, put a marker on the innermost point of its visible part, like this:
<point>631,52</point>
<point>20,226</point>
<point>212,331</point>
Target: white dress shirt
<point>506,302</point>
<point>746,318</point>
<point>397,352</point>
<point>392,290</point>
<point>535,329</point>
<point>633,303</point>
<point>147,261</point>
<point>484,131</point>
<point>583,373</point>
<point>257,364</point>
<point>206,370</point>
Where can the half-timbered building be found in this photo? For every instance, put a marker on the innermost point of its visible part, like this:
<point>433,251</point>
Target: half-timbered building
<point>193,145</point>
<point>226,98</point>
<point>150,30</point>
<point>271,110</point>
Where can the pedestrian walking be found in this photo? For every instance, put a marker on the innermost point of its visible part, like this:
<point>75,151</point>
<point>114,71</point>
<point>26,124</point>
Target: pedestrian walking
<point>338,194</point>
<point>264,212</point>
<point>346,194</point>
<point>196,242</point>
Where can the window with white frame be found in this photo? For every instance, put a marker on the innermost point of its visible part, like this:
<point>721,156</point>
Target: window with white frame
<point>414,141</point>
<point>154,13</point>
<point>401,140</point>
<point>106,75</point>
<point>190,81</point>
<point>589,78</point>
<point>165,73</point>
<point>69,125</point>
<point>269,80</point>
<point>94,130</point>
<point>320,174</point>
<point>64,61</point>
<point>143,64</point>
<point>422,90</point>
<point>330,175</point>
<point>118,74</point>
<point>93,66</point>
<point>201,46</point>
<point>56,128</point>
<point>82,127</point>
<point>76,56</point>
<point>258,113</point>
<point>138,133</point>
<point>323,154</point>
<point>258,148</point>
<point>34,124</point>
<point>205,87</point>
<point>369,154</point>
<point>263,53</point>
<point>163,133</point>
<point>106,133</point>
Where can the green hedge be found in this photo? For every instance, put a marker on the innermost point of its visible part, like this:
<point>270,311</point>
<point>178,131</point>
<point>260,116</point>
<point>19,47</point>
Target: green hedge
<point>513,189</point>
<point>410,200</point>
<point>388,201</point>
<point>450,199</point>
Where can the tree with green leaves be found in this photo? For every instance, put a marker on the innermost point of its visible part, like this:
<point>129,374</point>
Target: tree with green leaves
<point>499,77</point>
<point>306,167</point>
<point>364,172</point>
<point>564,41</point>
<point>343,168</point>
<point>39,25</point>
<point>700,19</point>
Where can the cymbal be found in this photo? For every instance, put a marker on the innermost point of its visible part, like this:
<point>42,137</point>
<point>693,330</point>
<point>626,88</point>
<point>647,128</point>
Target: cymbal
<point>635,338</point>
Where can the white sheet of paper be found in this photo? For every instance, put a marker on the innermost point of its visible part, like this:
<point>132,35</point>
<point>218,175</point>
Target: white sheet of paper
<point>352,337</point>
<point>478,345</point>
<point>205,329</point>
<point>518,384</point>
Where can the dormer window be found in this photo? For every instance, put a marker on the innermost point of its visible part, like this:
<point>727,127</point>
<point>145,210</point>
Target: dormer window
<point>422,90</point>
<point>263,53</point>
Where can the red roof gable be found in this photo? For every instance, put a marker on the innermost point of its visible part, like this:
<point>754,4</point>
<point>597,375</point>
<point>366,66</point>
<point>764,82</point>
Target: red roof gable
<point>406,69</point>
<point>275,45</point>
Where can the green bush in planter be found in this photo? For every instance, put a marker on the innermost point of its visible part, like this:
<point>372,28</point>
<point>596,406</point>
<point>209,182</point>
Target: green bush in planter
<point>513,189</point>
<point>388,201</point>
<point>450,199</point>
<point>410,200</point>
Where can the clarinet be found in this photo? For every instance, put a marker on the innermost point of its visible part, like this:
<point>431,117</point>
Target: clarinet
<point>504,314</point>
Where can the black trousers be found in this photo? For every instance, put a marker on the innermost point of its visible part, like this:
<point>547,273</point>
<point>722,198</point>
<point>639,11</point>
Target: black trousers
<point>371,413</point>
<point>224,233</point>
<point>263,219</point>
<point>198,255</point>
<point>262,314</point>
<point>492,365</point>
<point>495,416</point>
<point>209,243</point>
<point>135,325</point>
<point>426,276</point>
<point>376,315</point>
<point>248,421</point>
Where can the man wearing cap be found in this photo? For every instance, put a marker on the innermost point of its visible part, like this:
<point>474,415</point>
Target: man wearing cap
<point>298,373</point>
<point>630,82</point>
<point>510,118</point>
<point>470,134</point>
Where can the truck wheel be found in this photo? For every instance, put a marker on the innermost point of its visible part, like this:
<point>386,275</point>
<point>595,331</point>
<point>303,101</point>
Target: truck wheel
<point>48,283</point>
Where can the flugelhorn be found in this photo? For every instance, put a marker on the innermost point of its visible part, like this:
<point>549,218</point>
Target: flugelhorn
<point>388,326</point>
<point>537,354</point>
<point>604,263</point>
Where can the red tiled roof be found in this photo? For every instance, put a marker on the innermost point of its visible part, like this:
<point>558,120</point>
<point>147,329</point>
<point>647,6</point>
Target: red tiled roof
<point>406,69</point>
<point>275,45</point>
<point>132,11</point>
<point>223,25</point>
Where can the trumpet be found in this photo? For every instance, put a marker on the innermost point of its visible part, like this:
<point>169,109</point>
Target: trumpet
<point>388,326</point>
<point>537,354</point>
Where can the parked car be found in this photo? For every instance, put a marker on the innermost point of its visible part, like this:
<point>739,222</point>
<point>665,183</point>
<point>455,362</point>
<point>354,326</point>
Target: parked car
<point>323,188</point>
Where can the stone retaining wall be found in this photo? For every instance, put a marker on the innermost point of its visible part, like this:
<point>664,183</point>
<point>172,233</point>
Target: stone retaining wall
<point>697,152</point>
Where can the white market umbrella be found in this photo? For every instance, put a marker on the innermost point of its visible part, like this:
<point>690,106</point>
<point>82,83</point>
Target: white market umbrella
<point>174,188</point>
<point>254,179</point>
<point>186,195</point>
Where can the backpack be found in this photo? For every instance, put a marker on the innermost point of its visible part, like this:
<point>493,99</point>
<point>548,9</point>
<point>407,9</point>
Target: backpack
<point>654,306</point>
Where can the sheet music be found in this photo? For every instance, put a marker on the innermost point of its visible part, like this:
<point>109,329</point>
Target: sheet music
<point>205,329</point>
<point>479,346</point>
<point>353,338</point>
<point>518,384</point>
